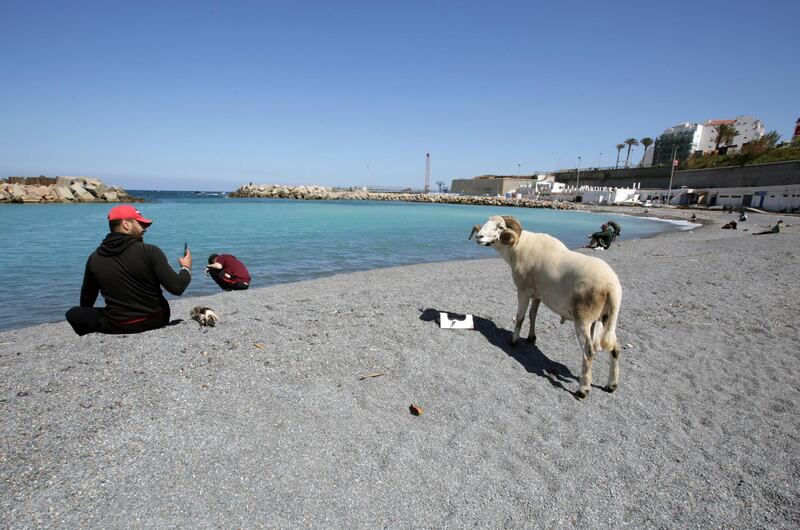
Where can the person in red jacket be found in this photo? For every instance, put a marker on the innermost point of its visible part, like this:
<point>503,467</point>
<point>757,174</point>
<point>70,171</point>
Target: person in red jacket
<point>229,273</point>
<point>129,274</point>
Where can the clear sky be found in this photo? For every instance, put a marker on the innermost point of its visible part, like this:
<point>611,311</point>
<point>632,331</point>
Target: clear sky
<point>212,95</point>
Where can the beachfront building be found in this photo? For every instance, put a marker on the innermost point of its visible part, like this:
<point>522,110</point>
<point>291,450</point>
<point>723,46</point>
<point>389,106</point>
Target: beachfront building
<point>699,138</point>
<point>749,129</point>
<point>770,198</point>
<point>682,137</point>
<point>489,185</point>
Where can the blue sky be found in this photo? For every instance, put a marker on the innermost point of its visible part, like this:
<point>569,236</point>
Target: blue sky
<point>212,95</point>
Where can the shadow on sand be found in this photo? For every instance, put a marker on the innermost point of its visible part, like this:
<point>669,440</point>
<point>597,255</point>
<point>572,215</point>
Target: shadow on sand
<point>528,355</point>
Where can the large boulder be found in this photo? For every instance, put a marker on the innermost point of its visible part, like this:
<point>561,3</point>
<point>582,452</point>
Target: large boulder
<point>110,196</point>
<point>80,193</point>
<point>63,193</point>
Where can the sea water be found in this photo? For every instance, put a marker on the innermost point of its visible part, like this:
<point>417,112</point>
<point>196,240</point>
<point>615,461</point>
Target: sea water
<point>44,247</point>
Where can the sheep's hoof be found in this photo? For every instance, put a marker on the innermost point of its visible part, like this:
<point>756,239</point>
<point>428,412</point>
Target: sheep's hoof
<point>532,339</point>
<point>581,394</point>
<point>610,388</point>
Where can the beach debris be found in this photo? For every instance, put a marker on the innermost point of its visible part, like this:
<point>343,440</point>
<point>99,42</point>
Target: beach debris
<point>204,353</point>
<point>259,345</point>
<point>369,375</point>
<point>629,346</point>
<point>446,322</point>
<point>22,393</point>
<point>416,410</point>
<point>204,316</point>
<point>204,386</point>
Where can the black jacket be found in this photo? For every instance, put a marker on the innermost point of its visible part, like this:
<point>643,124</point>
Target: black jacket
<point>129,273</point>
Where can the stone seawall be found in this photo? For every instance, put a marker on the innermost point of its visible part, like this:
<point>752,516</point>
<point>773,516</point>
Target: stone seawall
<point>317,193</point>
<point>60,189</point>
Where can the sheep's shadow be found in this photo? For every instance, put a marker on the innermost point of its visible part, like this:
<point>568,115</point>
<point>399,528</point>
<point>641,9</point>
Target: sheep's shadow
<point>528,355</point>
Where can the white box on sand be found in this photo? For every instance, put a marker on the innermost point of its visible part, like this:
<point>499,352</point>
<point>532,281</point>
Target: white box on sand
<point>447,323</point>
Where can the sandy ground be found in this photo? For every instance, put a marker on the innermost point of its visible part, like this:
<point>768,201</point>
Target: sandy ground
<point>263,421</point>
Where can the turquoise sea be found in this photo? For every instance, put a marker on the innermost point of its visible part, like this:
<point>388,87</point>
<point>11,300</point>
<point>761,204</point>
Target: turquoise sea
<point>45,246</point>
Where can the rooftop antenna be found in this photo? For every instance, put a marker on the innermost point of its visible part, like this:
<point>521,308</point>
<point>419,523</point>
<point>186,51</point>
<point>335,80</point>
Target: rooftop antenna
<point>427,172</point>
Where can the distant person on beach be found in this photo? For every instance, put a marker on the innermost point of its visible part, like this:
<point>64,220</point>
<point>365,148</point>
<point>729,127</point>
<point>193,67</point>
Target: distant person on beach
<point>229,273</point>
<point>742,216</point>
<point>615,228</point>
<point>731,225</point>
<point>777,229</point>
<point>129,274</point>
<point>601,239</point>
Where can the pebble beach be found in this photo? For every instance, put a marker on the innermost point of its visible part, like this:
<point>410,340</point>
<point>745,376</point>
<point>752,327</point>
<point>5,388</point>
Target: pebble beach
<point>294,410</point>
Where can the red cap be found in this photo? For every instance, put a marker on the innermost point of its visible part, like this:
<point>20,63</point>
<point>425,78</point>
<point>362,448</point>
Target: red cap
<point>126,211</point>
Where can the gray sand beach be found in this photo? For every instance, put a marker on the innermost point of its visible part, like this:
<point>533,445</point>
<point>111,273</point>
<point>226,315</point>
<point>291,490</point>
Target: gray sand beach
<point>264,422</point>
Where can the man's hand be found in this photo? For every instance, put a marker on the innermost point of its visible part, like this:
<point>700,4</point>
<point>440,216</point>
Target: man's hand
<point>186,260</point>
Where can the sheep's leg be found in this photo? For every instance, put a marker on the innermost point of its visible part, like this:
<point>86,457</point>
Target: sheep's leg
<point>613,371</point>
<point>523,299</point>
<point>584,332</point>
<point>534,309</point>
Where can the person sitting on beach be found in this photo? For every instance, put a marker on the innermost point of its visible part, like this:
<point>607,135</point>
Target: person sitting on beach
<point>129,274</point>
<point>742,216</point>
<point>731,225</point>
<point>601,239</point>
<point>229,273</point>
<point>777,229</point>
<point>616,228</point>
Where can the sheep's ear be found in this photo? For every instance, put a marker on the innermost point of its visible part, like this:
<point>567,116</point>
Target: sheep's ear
<point>513,224</point>
<point>508,237</point>
<point>475,230</point>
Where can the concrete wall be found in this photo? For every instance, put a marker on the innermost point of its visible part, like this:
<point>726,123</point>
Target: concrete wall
<point>775,174</point>
<point>487,186</point>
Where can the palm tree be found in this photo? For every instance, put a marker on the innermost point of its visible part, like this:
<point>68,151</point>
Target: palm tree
<point>646,142</point>
<point>630,142</point>
<point>725,133</point>
<point>620,147</point>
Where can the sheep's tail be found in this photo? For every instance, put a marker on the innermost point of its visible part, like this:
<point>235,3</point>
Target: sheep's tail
<point>608,339</point>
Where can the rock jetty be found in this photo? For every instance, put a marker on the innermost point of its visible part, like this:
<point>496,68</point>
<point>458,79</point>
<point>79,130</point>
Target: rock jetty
<point>318,193</point>
<point>60,189</point>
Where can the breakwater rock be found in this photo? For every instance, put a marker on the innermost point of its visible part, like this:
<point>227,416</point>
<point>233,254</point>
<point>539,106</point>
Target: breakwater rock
<point>318,193</point>
<point>60,189</point>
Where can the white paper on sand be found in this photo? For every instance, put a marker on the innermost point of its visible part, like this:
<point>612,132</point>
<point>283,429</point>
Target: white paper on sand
<point>446,323</point>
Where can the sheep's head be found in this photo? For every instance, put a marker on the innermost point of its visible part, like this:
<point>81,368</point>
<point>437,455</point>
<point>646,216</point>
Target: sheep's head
<point>504,230</point>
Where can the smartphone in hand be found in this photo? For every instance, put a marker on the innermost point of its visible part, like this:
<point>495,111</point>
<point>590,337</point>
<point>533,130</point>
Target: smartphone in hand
<point>185,248</point>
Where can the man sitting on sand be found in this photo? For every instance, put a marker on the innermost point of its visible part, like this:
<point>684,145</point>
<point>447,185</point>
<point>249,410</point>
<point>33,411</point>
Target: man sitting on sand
<point>601,240</point>
<point>129,274</point>
<point>229,273</point>
<point>777,229</point>
<point>730,225</point>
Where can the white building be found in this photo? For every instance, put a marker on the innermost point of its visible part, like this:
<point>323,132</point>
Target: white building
<point>749,129</point>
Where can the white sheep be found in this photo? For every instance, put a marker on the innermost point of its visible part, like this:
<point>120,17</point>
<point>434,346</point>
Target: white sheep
<point>580,288</point>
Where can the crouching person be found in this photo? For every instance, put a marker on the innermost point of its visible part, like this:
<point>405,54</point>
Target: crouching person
<point>229,273</point>
<point>129,274</point>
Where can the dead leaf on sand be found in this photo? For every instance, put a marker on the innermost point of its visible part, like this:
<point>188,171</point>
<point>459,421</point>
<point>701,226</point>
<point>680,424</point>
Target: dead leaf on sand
<point>369,375</point>
<point>259,345</point>
<point>416,410</point>
<point>629,345</point>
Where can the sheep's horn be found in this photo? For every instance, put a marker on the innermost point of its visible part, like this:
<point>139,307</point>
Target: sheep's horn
<point>513,224</point>
<point>475,230</point>
<point>509,237</point>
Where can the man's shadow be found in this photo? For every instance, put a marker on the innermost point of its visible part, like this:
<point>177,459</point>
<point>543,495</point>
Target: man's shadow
<point>528,355</point>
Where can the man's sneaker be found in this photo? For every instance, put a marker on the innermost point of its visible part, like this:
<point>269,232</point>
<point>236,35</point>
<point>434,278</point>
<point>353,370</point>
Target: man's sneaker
<point>599,248</point>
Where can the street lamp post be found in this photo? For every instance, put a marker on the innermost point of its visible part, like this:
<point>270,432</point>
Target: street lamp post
<point>671,173</point>
<point>578,180</point>
<point>518,165</point>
